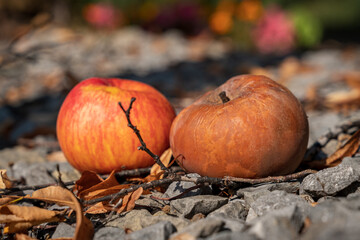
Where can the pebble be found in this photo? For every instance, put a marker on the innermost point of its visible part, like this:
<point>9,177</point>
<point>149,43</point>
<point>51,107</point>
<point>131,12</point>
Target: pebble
<point>233,210</point>
<point>188,207</point>
<point>201,229</point>
<point>273,201</point>
<point>331,181</point>
<point>109,233</point>
<point>161,231</point>
<point>177,188</point>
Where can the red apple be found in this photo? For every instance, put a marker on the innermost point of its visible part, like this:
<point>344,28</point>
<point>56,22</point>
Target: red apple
<point>258,130</point>
<point>93,131</point>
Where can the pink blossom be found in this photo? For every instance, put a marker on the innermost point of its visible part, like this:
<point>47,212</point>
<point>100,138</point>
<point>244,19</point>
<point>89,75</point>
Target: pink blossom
<point>274,33</point>
<point>102,15</point>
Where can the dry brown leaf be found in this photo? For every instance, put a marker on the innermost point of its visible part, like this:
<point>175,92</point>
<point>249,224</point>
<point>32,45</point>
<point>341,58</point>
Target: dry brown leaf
<point>61,196</point>
<point>340,98</point>
<point>5,182</point>
<point>103,184</point>
<point>103,188</point>
<point>349,149</point>
<point>86,181</point>
<point>183,236</point>
<point>9,200</point>
<point>129,200</point>
<point>57,156</point>
<point>20,218</point>
<point>156,173</point>
<point>21,236</point>
<point>97,193</point>
<point>98,208</point>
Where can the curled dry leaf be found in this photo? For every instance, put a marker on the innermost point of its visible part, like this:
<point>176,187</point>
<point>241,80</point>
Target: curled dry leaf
<point>98,187</point>
<point>21,236</point>
<point>20,218</point>
<point>63,197</point>
<point>156,172</point>
<point>128,202</point>
<point>5,182</point>
<point>348,150</point>
<point>9,200</point>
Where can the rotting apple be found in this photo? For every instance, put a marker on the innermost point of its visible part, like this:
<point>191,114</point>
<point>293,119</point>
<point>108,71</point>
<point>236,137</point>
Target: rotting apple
<point>93,131</point>
<point>248,127</point>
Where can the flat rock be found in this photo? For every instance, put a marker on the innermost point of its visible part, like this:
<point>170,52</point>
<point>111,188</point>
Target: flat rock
<point>320,123</point>
<point>34,173</point>
<point>68,172</point>
<point>200,229</point>
<point>333,220</point>
<point>331,181</point>
<point>273,201</point>
<point>232,236</point>
<point>178,222</point>
<point>130,220</point>
<point>148,202</point>
<point>233,209</point>
<point>109,233</point>
<point>176,188</point>
<point>64,230</point>
<point>230,224</point>
<point>20,154</point>
<point>188,207</point>
<point>161,231</point>
<point>289,187</point>
<point>283,223</point>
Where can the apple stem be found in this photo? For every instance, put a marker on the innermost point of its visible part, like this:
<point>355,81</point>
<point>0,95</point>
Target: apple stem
<point>137,132</point>
<point>223,97</point>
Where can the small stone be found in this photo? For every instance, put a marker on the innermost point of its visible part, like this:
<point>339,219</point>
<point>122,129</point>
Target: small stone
<point>130,220</point>
<point>20,154</point>
<point>331,181</point>
<point>202,228</point>
<point>283,223</point>
<point>68,172</point>
<point>333,220</point>
<point>149,202</point>
<point>233,236</point>
<point>252,196</point>
<point>330,147</point>
<point>274,228</point>
<point>176,188</point>
<point>230,224</point>
<point>34,173</point>
<point>273,201</point>
<point>320,123</point>
<point>178,222</point>
<point>64,230</point>
<point>234,209</point>
<point>109,233</point>
<point>188,207</point>
<point>160,230</point>
<point>289,187</point>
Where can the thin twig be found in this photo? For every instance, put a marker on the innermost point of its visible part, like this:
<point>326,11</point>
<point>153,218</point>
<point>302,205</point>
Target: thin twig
<point>137,132</point>
<point>36,187</point>
<point>133,172</point>
<point>273,179</point>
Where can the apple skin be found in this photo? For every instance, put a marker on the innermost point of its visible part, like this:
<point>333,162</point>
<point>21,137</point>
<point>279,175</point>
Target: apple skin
<point>262,131</point>
<point>93,131</point>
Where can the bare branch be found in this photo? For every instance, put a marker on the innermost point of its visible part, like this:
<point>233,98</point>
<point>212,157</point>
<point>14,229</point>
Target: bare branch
<point>273,179</point>
<point>137,132</point>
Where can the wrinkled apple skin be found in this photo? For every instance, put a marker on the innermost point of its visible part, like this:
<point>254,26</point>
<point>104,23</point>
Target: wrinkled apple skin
<point>93,131</point>
<point>262,131</point>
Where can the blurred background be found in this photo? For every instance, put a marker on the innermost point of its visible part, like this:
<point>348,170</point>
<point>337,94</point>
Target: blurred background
<point>183,48</point>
